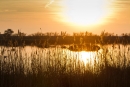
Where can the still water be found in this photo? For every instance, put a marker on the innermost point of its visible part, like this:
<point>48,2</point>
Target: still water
<point>31,58</point>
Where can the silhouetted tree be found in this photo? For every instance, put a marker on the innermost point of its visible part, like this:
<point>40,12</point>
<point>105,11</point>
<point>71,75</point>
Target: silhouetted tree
<point>8,32</point>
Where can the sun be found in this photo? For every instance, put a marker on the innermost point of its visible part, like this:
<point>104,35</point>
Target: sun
<point>85,12</point>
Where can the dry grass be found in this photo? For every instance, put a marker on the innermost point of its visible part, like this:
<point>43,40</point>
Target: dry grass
<point>56,67</point>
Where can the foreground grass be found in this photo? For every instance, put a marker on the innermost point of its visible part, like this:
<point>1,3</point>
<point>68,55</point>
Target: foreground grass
<point>54,68</point>
<point>110,77</point>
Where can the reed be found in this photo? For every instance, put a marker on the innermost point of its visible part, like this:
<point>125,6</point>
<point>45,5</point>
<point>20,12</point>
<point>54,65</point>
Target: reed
<point>58,67</point>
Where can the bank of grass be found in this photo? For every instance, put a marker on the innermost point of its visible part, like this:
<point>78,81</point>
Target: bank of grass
<point>56,68</point>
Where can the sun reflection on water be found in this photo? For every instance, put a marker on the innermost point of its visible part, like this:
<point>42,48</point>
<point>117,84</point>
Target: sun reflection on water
<point>87,57</point>
<point>94,61</point>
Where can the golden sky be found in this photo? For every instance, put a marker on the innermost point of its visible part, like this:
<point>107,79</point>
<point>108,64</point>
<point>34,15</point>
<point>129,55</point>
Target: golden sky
<point>65,15</point>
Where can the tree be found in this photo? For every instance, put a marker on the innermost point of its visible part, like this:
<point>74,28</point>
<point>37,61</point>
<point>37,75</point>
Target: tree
<point>9,32</point>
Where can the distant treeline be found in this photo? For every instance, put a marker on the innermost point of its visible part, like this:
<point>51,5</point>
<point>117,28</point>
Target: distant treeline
<point>54,38</point>
<point>58,40</point>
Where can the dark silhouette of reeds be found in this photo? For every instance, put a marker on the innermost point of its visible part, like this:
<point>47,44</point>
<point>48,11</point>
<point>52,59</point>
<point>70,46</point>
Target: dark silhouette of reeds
<point>44,40</point>
<point>55,68</point>
<point>58,67</point>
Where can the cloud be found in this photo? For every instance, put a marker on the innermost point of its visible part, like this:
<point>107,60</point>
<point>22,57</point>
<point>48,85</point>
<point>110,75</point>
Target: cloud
<point>7,11</point>
<point>47,5</point>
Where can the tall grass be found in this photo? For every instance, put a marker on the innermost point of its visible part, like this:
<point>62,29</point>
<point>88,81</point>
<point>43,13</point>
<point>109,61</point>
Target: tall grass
<point>57,67</point>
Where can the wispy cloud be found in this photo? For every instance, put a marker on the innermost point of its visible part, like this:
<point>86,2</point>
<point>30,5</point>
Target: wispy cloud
<point>49,3</point>
<point>7,11</point>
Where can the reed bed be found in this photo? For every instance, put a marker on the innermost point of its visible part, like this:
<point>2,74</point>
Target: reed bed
<point>57,67</point>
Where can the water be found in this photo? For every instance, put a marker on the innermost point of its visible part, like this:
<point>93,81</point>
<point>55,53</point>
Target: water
<point>30,59</point>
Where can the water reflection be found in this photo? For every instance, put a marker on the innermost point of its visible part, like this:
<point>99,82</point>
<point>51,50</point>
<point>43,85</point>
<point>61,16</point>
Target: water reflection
<point>30,58</point>
<point>87,56</point>
<point>118,55</point>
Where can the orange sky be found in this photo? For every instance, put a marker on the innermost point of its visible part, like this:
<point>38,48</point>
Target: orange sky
<point>31,15</point>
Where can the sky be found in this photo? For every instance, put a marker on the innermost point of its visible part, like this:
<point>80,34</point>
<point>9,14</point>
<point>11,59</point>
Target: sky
<point>31,16</point>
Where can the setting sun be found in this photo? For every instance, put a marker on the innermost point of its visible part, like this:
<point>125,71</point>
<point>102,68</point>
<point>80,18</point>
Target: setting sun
<point>64,43</point>
<point>85,12</point>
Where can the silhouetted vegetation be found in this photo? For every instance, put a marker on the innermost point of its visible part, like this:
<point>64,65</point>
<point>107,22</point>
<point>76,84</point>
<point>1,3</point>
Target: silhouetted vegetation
<point>8,32</point>
<point>53,68</point>
<point>57,66</point>
<point>63,38</point>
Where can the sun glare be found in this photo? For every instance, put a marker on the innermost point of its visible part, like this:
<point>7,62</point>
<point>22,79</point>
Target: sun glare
<point>85,12</point>
<point>86,57</point>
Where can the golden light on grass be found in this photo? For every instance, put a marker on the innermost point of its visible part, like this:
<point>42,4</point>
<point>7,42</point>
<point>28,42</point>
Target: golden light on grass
<point>85,12</point>
<point>87,57</point>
